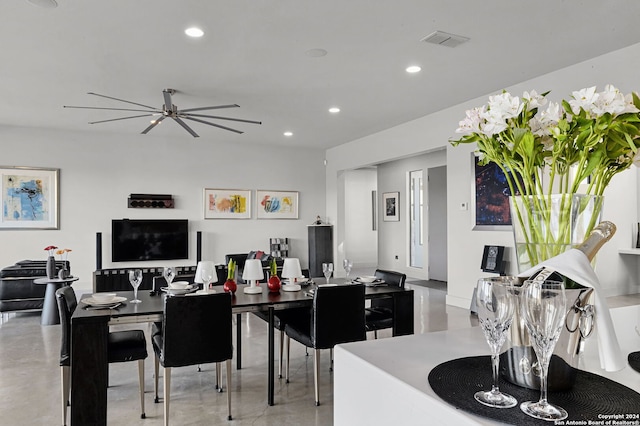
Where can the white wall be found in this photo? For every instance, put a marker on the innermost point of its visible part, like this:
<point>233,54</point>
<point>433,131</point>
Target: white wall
<point>393,236</point>
<point>98,172</point>
<point>618,275</point>
<point>361,240</point>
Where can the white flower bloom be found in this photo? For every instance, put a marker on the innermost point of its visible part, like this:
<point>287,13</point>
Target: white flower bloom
<point>495,121</point>
<point>505,105</point>
<point>534,100</point>
<point>471,123</point>
<point>584,98</point>
<point>552,114</point>
<point>629,106</point>
<point>610,100</point>
<point>537,127</point>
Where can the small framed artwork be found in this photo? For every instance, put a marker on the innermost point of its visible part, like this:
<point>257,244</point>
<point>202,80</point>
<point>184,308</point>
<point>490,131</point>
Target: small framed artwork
<point>490,198</point>
<point>29,198</point>
<point>277,204</point>
<point>391,207</point>
<point>227,203</point>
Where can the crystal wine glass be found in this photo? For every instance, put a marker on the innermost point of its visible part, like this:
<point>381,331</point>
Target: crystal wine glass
<point>169,274</point>
<point>495,301</point>
<point>135,278</point>
<point>327,270</point>
<point>544,309</point>
<point>206,273</point>
<point>347,264</point>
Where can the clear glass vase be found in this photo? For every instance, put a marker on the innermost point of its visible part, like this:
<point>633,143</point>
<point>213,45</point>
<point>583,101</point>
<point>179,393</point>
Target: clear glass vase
<point>547,225</point>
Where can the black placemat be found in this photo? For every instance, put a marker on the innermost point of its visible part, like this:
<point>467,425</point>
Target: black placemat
<point>591,397</point>
<point>634,360</point>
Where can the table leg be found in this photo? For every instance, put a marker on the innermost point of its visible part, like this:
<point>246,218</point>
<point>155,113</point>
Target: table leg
<point>50,314</point>
<point>403,313</point>
<point>89,371</point>
<point>238,341</point>
<point>271,357</point>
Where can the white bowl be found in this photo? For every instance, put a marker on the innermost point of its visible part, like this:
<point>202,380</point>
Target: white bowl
<point>179,285</point>
<point>103,297</point>
<point>367,279</point>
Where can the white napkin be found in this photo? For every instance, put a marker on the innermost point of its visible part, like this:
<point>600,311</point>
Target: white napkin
<point>574,265</point>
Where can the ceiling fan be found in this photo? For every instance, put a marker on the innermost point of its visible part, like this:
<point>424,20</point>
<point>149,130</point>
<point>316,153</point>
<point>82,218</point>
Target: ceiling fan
<point>169,110</point>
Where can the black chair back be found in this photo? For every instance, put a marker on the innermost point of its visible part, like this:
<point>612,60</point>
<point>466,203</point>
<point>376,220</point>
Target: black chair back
<point>196,330</point>
<point>392,278</point>
<point>67,303</point>
<point>337,315</point>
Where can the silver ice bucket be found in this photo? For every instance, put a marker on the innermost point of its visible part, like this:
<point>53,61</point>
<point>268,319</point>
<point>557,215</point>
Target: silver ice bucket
<point>519,364</point>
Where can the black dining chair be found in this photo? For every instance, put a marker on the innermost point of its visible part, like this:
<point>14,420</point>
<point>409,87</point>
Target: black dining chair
<point>337,317</point>
<point>380,314</point>
<point>196,329</point>
<point>122,346</point>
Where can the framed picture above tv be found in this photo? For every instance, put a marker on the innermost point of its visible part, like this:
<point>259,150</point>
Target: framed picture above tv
<point>135,240</point>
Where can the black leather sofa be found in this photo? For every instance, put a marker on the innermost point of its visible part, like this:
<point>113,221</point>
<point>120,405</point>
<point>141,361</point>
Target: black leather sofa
<point>17,290</point>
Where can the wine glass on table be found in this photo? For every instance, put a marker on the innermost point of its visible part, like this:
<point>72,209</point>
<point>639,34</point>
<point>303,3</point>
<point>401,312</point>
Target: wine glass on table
<point>206,273</point>
<point>347,264</point>
<point>544,310</point>
<point>135,278</point>
<point>169,273</point>
<point>327,270</point>
<point>495,301</point>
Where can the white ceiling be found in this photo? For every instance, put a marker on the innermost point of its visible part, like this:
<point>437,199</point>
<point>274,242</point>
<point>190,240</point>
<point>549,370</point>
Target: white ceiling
<point>253,54</point>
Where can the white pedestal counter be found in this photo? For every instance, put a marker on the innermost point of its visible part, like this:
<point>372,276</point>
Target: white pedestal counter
<point>384,381</point>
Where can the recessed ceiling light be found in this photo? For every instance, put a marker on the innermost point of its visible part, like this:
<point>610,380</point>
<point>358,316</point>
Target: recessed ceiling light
<point>334,110</point>
<point>194,32</point>
<point>288,134</point>
<point>413,69</point>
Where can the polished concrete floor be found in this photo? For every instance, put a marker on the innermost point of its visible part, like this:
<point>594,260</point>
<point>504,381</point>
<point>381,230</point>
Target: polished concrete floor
<point>30,376</point>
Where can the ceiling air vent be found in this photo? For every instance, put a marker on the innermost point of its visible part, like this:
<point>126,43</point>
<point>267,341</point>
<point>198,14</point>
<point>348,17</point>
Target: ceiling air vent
<point>445,39</point>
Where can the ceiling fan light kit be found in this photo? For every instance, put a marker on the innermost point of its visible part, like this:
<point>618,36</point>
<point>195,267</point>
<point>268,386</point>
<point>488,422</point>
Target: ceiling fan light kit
<point>169,110</point>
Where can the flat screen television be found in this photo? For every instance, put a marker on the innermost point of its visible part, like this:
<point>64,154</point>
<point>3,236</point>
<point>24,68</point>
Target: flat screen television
<point>152,239</point>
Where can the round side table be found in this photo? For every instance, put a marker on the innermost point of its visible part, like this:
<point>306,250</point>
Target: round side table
<point>50,315</point>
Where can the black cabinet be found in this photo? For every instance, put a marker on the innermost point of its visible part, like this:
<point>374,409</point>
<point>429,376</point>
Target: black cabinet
<point>320,248</point>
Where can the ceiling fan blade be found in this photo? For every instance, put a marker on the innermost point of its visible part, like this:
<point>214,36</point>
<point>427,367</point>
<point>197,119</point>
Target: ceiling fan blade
<point>168,103</point>
<point>210,107</point>
<point>121,100</point>
<point>153,110</point>
<point>154,124</point>
<point>211,124</point>
<point>218,118</point>
<point>122,118</point>
<point>187,128</point>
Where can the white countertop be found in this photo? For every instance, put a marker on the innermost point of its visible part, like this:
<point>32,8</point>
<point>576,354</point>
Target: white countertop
<point>384,381</point>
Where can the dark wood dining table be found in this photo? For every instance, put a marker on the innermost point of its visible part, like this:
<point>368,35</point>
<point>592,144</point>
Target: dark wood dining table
<point>90,328</point>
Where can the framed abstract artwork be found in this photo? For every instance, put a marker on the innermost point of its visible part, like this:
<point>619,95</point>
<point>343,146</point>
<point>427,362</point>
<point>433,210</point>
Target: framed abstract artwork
<point>277,204</point>
<point>490,194</point>
<point>227,203</point>
<point>390,204</point>
<point>29,198</point>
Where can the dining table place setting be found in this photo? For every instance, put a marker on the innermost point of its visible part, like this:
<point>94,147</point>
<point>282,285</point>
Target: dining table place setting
<point>103,301</point>
<point>369,281</point>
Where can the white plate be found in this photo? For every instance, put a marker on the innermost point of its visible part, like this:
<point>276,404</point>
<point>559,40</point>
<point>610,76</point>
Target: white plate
<point>180,285</point>
<point>366,279</point>
<point>92,302</point>
<point>178,290</point>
